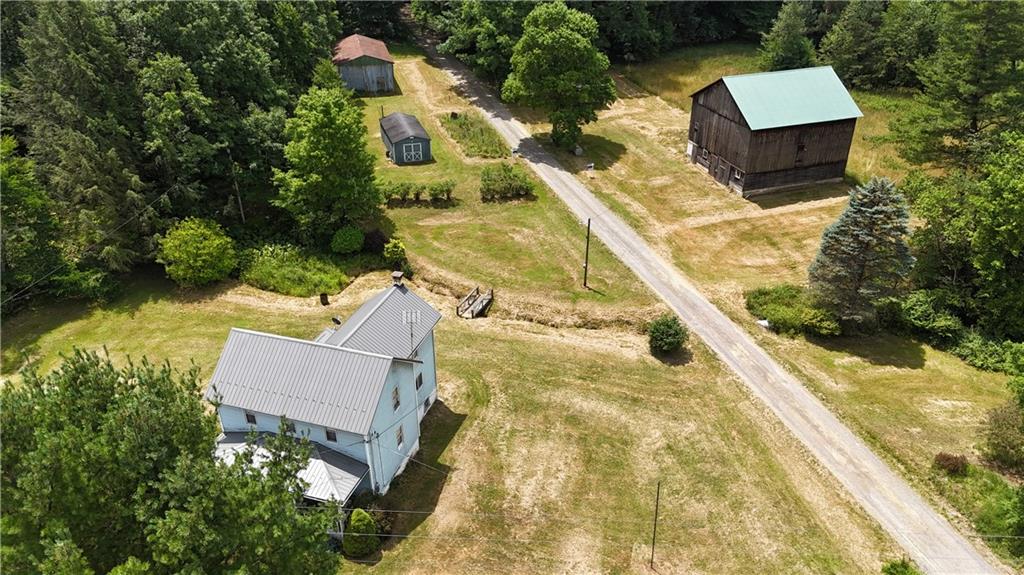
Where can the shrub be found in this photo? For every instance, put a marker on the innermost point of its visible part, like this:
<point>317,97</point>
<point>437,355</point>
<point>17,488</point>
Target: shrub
<point>1004,436</point>
<point>789,310</point>
<point>504,181</point>
<point>952,464</point>
<point>347,240</point>
<point>441,191</point>
<point>394,252</point>
<point>286,270</point>
<point>360,537</point>
<point>196,252</point>
<point>926,313</point>
<point>988,354</point>
<point>666,335</point>
<point>899,567</point>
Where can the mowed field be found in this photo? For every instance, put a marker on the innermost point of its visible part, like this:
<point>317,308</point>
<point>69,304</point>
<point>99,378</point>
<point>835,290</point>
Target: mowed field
<point>908,399</point>
<point>545,450</point>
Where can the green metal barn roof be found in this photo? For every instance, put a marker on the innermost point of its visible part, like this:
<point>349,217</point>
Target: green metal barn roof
<point>791,97</point>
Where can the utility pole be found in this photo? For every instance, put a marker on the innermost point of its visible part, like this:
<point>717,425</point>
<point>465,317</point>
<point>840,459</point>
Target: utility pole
<point>586,257</point>
<point>654,534</point>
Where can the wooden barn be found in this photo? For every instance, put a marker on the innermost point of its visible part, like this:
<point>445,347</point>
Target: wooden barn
<point>405,139</point>
<point>756,133</point>
<point>365,65</point>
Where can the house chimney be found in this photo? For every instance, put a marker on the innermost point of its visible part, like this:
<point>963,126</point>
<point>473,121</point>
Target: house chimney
<point>396,278</point>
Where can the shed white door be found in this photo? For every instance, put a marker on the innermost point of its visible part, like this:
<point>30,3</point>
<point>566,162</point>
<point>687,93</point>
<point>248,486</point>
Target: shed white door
<point>412,152</point>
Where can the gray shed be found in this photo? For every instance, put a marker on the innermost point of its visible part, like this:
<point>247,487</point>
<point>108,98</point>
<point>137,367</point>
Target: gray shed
<point>365,65</point>
<point>405,139</point>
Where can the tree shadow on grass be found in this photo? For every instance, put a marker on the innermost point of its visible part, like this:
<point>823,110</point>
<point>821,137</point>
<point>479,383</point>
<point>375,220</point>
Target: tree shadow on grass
<point>419,487</point>
<point>680,357</point>
<point>878,349</point>
<point>597,149</point>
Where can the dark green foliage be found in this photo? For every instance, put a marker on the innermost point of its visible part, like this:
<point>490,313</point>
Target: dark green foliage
<point>1004,436</point>
<point>325,75</point>
<point>475,136</point>
<point>927,314</point>
<point>329,180</point>
<point>864,255</point>
<point>394,253</point>
<point>556,68</point>
<point>908,33</point>
<point>786,46</point>
<point>347,239</point>
<point>197,252</point>
<point>404,193</point>
<point>285,269</point>
<point>990,354</point>
<point>950,463</point>
<point>666,335</point>
<point>971,84</point>
<point>504,182</point>
<point>900,567</point>
<point>361,535</point>
<point>790,310</point>
<point>374,19</point>
<point>103,464</point>
<point>854,47</point>
<point>483,34</point>
<point>28,230</point>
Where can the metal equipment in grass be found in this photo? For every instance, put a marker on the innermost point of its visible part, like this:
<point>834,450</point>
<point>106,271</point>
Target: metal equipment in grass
<point>475,304</point>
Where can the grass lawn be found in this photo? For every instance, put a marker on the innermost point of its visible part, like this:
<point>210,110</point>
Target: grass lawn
<point>908,399</point>
<point>546,446</point>
<point>531,251</point>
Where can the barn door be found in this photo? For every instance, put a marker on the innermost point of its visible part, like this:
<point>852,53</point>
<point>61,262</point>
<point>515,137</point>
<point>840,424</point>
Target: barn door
<point>412,152</point>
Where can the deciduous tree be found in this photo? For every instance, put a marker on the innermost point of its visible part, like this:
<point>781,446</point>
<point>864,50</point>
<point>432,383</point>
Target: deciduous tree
<point>555,67</point>
<point>329,181</point>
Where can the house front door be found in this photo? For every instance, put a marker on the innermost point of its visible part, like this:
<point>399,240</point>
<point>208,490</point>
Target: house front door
<point>412,152</point>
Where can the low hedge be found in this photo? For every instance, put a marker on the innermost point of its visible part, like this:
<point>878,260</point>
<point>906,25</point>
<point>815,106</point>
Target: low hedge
<point>505,181</point>
<point>410,193</point>
<point>790,310</point>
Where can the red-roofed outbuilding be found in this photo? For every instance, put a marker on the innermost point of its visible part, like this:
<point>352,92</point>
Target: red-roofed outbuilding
<point>365,65</point>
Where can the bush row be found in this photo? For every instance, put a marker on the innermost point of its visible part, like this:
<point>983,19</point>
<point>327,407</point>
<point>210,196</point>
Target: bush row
<point>504,182</point>
<point>790,310</point>
<point>404,193</point>
<point>930,315</point>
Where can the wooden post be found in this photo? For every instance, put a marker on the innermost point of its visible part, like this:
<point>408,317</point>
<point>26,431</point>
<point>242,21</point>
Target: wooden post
<point>586,257</point>
<point>654,534</point>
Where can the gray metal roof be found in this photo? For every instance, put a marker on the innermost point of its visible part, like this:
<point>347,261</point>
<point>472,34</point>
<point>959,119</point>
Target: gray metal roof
<point>399,126</point>
<point>330,474</point>
<point>380,325</point>
<point>303,380</point>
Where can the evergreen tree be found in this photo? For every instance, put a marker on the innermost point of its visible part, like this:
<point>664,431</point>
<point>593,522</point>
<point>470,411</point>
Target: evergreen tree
<point>555,67</point>
<point>908,34</point>
<point>863,255</point>
<point>972,85</point>
<point>329,181</point>
<point>786,46</point>
<point>854,46</point>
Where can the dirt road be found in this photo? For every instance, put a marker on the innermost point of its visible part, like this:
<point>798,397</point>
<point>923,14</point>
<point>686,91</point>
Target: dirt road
<point>925,535</point>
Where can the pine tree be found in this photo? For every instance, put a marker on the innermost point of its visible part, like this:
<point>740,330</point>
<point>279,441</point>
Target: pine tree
<point>864,255</point>
<point>971,85</point>
<point>786,46</point>
<point>853,47</point>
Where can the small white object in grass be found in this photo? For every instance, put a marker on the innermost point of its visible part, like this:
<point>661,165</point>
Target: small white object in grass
<point>764,323</point>
<point>578,151</point>
<point>590,166</point>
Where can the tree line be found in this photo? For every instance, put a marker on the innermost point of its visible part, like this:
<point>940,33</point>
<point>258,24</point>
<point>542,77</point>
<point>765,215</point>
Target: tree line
<point>124,118</point>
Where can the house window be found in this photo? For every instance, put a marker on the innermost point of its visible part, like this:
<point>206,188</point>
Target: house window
<point>704,153</point>
<point>250,418</point>
<point>419,381</point>
<point>800,147</point>
<point>289,427</point>
<point>400,437</point>
<point>332,435</point>
<point>738,176</point>
<point>395,400</point>
<point>426,404</point>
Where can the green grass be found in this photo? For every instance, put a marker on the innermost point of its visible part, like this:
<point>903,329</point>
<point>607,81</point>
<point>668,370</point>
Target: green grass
<point>531,251</point>
<point>285,270</point>
<point>545,447</point>
<point>476,137</point>
<point>988,501</point>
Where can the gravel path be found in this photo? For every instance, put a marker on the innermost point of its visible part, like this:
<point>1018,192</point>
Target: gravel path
<point>926,535</point>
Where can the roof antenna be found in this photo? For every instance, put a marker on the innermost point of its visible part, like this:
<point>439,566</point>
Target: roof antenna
<point>411,317</point>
